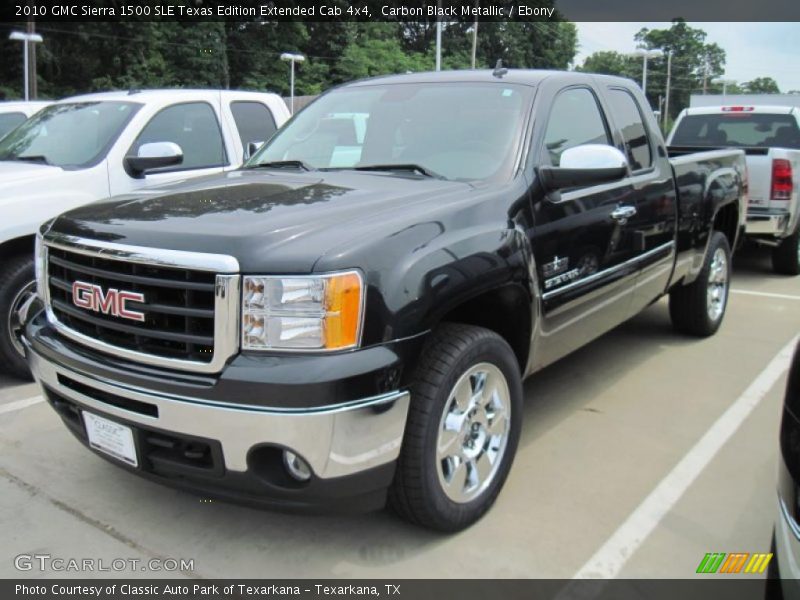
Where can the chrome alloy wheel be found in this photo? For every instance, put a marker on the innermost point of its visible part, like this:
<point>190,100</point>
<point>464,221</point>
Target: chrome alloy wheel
<point>717,292</point>
<point>14,325</point>
<point>473,432</point>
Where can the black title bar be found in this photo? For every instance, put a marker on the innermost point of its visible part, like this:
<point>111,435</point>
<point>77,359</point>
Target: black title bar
<point>410,10</point>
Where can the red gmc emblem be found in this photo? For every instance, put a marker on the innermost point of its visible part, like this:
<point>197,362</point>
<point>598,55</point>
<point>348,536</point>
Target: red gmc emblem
<point>112,302</point>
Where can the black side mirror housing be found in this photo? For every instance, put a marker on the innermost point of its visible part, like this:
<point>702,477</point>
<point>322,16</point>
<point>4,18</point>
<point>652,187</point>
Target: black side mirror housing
<point>558,178</point>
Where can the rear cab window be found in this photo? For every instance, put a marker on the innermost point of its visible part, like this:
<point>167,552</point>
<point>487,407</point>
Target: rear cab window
<point>254,122</point>
<point>738,128</point>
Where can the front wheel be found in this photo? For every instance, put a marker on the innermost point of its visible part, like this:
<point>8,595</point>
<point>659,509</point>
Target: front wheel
<point>698,308</point>
<point>462,430</point>
<point>16,287</point>
<point>786,256</point>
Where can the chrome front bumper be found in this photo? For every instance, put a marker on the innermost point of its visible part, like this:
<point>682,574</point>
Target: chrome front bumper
<point>336,440</point>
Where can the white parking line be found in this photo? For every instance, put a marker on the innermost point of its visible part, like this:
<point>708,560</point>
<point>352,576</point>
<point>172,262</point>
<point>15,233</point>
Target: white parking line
<point>608,561</point>
<point>20,404</point>
<point>765,294</point>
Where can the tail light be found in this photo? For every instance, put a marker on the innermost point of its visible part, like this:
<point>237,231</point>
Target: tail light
<point>781,179</point>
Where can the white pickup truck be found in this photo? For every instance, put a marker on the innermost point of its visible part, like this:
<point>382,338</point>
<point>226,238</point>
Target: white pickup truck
<point>13,114</point>
<point>770,137</point>
<point>86,148</point>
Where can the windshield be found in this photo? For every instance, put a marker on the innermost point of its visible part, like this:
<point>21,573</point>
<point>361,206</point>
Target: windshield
<point>68,135</point>
<point>460,131</point>
<point>748,130</point>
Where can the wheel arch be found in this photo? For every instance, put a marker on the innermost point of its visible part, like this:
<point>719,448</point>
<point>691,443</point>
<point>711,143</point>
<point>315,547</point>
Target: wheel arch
<point>506,310</point>
<point>18,246</point>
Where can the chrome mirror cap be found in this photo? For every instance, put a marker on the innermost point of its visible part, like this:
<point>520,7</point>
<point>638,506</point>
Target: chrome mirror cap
<point>593,156</point>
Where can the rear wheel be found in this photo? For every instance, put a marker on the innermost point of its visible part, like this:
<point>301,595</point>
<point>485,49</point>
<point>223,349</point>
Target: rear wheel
<point>786,256</point>
<point>462,430</point>
<point>698,308</point>
<point>17,285</point>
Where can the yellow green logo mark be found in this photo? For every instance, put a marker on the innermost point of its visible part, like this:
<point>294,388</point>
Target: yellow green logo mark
<point>735,562</point>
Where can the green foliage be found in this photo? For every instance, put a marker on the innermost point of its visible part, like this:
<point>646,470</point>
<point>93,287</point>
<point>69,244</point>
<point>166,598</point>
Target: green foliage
<point>613,63</point>
<point>761,85</point>
<point>693,62</point>
<point>696,66</point>
<point>92,56</point>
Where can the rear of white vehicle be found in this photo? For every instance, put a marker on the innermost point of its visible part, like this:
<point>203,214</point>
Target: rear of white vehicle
<point>770,136</point>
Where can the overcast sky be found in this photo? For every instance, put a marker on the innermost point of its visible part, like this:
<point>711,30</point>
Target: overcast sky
<point>753,49</point>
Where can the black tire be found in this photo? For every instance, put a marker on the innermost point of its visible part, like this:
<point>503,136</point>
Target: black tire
<point>416,493</point>
<point>17,273</point>
<point>786,256</point>
<point>772,587</point>
<point>688,304</point>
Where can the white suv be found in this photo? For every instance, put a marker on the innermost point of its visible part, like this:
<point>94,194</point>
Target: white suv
<point>87,148</point>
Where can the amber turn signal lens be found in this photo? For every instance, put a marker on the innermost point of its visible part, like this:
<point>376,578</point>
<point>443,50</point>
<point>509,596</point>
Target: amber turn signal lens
<point>343,302</point>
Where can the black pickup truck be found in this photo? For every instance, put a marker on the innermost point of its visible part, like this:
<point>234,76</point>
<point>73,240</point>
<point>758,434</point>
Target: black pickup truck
<point>349,318</point>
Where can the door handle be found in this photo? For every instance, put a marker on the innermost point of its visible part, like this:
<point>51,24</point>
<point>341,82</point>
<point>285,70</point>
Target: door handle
<point>623,213</point>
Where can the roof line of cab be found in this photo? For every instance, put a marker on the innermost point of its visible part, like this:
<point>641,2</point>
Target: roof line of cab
<point>133,95</point>
<point>531,77</point>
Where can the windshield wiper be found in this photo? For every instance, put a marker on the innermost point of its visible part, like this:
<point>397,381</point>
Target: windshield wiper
<point>280,164</point>
<point>37,159</point>
<point>401,167</point>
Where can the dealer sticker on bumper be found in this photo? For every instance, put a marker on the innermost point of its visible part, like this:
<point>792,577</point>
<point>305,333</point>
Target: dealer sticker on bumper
<point>112,438</point>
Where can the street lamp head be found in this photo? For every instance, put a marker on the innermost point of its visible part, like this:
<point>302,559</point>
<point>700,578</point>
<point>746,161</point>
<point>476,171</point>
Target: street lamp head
<point>289,57</point>
<point>19,36</point>
<point>641,52</point>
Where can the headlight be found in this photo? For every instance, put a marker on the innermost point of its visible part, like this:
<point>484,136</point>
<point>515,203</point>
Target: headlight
<point>40,256</point>
<point>320,312</point>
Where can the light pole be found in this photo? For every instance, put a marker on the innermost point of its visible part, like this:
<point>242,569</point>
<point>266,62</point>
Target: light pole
<point>292,58</point>
<point>725,83</point>
<point>25,38</point>
<point>645,54</point>
<point>439,36</point>
<point>475,35</point>
<point>666,92</point>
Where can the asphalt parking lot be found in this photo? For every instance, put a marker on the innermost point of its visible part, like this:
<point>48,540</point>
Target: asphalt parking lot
<point>628,465</point>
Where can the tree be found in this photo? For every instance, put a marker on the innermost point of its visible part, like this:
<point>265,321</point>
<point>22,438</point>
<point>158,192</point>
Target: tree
<point>693,62</point>
<point>613,63</point>
<point>761,85</point>
<point>79,57</point>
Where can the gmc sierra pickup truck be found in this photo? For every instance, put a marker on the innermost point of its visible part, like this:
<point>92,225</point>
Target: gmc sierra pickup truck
<point>349,317</point>
<point>770,136</point>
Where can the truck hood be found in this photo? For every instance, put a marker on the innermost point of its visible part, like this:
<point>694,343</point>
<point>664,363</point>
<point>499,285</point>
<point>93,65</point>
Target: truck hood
<point>270,220</point>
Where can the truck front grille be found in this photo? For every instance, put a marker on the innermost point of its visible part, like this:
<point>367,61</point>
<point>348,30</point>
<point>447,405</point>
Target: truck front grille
<point>178,305</point>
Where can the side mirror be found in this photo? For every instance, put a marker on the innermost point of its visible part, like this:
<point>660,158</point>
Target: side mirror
<point>252,148</point>
<point>153,156</point>
<point>589,164</point>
